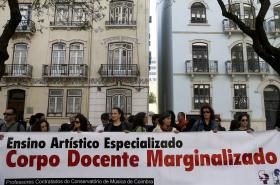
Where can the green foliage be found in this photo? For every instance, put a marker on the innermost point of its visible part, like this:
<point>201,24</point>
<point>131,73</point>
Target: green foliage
<point>152,98</point>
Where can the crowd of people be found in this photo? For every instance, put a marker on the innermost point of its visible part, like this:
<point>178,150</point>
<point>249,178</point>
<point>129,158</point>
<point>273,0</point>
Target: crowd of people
<point>117,122</point>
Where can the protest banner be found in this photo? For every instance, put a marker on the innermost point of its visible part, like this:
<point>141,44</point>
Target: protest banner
<point>199,158</point>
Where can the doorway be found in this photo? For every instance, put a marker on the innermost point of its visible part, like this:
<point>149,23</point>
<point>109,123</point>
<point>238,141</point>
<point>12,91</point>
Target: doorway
<point>16,99</point>
<point>272,105</point>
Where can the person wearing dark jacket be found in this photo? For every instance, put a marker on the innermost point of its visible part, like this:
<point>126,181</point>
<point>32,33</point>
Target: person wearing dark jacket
<point>117,123</point>
<point>207,120</point>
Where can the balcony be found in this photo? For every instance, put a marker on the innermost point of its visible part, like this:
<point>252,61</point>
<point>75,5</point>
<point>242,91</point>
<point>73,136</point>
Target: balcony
<point>199,101</point>
<point>229,26</point>
<point>202,67</point>
<point>69,24</point>
<point>240,102</point>
<point>18,71</point>
<point>254,67</point>
<point>273,26</point>
<point>120,24</point>
<point>65,71</point>
<point>26,26</point>
<point>119,70</point>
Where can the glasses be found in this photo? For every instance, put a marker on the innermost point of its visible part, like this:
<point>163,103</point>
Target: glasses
<point>8,114</point>
<point>76,121</point>
<point>217,120</point>
<point>206,112</point>
<point>243,120</point>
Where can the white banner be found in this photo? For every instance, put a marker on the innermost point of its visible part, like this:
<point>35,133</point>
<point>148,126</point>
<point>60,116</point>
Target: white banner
<point>198,158</point>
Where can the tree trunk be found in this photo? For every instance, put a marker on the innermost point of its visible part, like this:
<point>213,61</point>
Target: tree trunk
<point>9,30</point>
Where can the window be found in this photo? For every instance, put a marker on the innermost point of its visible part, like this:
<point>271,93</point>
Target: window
<point>276,11</point>
<point>55,102</point>
<point>198,13</point>
<point>119,98</point>
<point>237,58</point>
<point>120,55</point>
<point>58,53</point>
<point>201,95</point>
<point>121,12</point>
<point>69,14</point>
<point>240,96</point>
<point>200,57</point>
<point>240,53</point>
<point>76,53</point>
<point>74,101</point>
<point>253,59</point>
<point>25,11</point>
<point>20,53</point>
<point>249,15</point>
<point>19,60</point>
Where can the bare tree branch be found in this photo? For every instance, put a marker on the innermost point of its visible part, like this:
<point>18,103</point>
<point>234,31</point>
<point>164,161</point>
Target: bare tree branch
<point>261,43</point>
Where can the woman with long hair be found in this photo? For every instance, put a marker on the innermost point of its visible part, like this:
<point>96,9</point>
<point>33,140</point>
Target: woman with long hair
<point>244,123</point>
<point>207,120</point>
<point>80,123</point>
<point>139,121</point>
<point>117,123</point>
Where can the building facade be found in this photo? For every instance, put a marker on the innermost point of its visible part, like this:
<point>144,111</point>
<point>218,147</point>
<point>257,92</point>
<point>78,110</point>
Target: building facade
<point>68,61</point>
<point>214,62</point>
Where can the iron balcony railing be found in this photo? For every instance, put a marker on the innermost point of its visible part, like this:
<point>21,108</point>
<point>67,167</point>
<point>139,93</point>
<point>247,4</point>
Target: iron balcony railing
<point>240,102</point>
<point>120,23</point>
<point>26,26</point>
<point>199,101</point>
<point>65,70</point>
<point>119,70</point>
<point>273,26</point>
<point>69,24</point>
<point>202,66</point>
<point>18,70</point>
<point>253,67</point>
<point>230,26</point>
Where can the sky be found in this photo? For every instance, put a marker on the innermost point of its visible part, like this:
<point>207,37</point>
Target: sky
<point>153,32</point>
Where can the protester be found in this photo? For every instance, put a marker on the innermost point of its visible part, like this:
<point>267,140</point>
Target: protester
<point>165,124</point>
<point>81,123</point>
<point>35,119</point>
<point>207,120</point>
<point>41,126</point>
<point>140,120</point>
<point>218,121</point>
<point>155,118</point>
<point>11,125</point>
<point>104,122</point>
<point>117,124</point>
<point>234,124</point>
<point>183,123</point>
<point>244,121</point>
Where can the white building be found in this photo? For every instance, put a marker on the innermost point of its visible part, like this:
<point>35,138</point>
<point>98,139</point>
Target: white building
<point>76,65</point>
<point>213,62</point>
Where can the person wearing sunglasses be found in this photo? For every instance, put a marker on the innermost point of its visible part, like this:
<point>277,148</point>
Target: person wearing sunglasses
<point>11,124</point>
<point>244,122</point>
<point>207,120</point>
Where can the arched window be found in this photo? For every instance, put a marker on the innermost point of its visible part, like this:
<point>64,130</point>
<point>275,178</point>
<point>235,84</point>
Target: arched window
<point>198,13</point>
<point>253,59</point>
<point>200,57</point>
<point>121,12</point>
<point>76,53</point>
<point>121,98</point>
<point>58,53</point>
<point>20,53</point>
<point>119,55</point>
<point>237,58</point>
